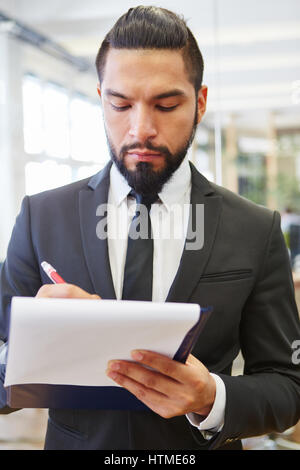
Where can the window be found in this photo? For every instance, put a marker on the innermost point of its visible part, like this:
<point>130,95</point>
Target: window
<point>56,121</point>
<point>46,175</point>
<point>64,137</point>
<point>88,142</point>
<point>33,116</point>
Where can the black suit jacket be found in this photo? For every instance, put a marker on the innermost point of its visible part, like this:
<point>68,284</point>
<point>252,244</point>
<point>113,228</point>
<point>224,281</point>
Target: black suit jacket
<point>243,271</point>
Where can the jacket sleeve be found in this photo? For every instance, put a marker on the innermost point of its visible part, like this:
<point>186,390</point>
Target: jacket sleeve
<point>267,397</point>
<point>19,277</point>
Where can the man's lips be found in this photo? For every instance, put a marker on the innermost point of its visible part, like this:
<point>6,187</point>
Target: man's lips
<point>144,156</point>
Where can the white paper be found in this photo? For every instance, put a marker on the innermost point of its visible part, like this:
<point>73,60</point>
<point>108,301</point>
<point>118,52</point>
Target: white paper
<point>70,341</point>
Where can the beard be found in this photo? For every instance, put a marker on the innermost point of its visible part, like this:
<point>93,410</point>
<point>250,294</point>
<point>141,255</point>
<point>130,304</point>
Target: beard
<point>144,180</point>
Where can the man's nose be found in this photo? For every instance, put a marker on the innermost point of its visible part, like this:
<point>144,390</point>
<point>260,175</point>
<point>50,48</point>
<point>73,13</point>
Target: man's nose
<point>142,124</point>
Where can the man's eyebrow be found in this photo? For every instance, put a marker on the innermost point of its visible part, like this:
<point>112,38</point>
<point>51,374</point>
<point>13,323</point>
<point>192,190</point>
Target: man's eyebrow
<point>110,92</point>
<point>167,94</point>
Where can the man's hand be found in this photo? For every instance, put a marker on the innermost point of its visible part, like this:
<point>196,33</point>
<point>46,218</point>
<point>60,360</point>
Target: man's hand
<point>64,291</point>
<point>169,388</point>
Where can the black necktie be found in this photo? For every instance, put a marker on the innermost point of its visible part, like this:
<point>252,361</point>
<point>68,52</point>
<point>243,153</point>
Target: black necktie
<point>138,272</point>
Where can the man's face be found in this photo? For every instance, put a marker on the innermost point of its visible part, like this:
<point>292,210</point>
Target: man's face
<point>150,114</point>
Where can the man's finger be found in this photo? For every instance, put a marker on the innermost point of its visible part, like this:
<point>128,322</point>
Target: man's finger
<point>156,401</point>
<point>150,379</point>
<point>64,291</point>
<point>176,370</point>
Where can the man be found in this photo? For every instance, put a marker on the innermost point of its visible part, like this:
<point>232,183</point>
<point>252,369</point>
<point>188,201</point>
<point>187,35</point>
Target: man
<point>150,85</point>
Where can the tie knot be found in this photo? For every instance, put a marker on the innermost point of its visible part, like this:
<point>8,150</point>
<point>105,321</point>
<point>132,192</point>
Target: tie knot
<point>144,199</point>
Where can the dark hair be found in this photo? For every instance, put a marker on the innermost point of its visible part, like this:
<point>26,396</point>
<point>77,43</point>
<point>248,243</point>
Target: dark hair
<point>149,27</point>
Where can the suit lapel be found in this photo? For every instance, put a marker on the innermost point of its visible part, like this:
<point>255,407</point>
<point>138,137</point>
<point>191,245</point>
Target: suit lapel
<point>193,261</point>
<point>96,249</point>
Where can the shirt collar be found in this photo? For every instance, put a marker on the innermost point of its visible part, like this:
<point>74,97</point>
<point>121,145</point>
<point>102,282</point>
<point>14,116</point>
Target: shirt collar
<point>118,185</point>
<point>171,193</point>
<point>179,183</point>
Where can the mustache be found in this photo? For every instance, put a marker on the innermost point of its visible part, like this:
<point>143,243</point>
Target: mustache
<point>147,146</point>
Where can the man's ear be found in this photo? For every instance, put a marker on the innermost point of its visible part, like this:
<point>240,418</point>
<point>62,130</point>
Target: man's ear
<point>202,100</point>
<point>98,90</point>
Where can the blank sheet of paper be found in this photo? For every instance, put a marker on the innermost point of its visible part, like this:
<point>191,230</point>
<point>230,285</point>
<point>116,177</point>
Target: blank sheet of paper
<point>70,341</point>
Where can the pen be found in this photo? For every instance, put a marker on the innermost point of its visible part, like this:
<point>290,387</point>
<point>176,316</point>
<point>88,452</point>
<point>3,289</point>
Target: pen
<point>52,273</point>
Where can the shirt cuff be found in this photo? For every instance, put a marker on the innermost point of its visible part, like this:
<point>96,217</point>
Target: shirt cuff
<point>214,422</point>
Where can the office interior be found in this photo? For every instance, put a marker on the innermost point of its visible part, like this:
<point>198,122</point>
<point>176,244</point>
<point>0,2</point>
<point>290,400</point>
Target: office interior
<point>51,128</point>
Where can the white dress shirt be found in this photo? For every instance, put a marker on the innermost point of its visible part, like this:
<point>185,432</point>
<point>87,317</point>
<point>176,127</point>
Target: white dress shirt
<point>169,221</point>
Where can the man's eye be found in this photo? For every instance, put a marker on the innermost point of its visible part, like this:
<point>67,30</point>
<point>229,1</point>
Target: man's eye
<point>166,108</point>
<point>119,108</point>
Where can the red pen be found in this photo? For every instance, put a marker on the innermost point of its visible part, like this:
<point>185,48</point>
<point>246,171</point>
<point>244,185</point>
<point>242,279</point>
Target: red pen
<point>52,273</point>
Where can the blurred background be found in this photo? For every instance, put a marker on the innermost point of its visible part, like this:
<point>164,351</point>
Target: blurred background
<point>51,129</point>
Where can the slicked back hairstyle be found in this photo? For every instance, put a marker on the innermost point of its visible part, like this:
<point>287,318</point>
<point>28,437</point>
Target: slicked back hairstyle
<point>149,27</point>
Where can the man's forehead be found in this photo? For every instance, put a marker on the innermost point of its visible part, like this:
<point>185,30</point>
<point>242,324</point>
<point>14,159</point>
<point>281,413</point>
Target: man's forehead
<point>161,70</point>
<point>158,60</point>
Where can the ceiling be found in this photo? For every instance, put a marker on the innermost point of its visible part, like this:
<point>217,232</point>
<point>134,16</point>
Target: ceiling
<point>251,48</point>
